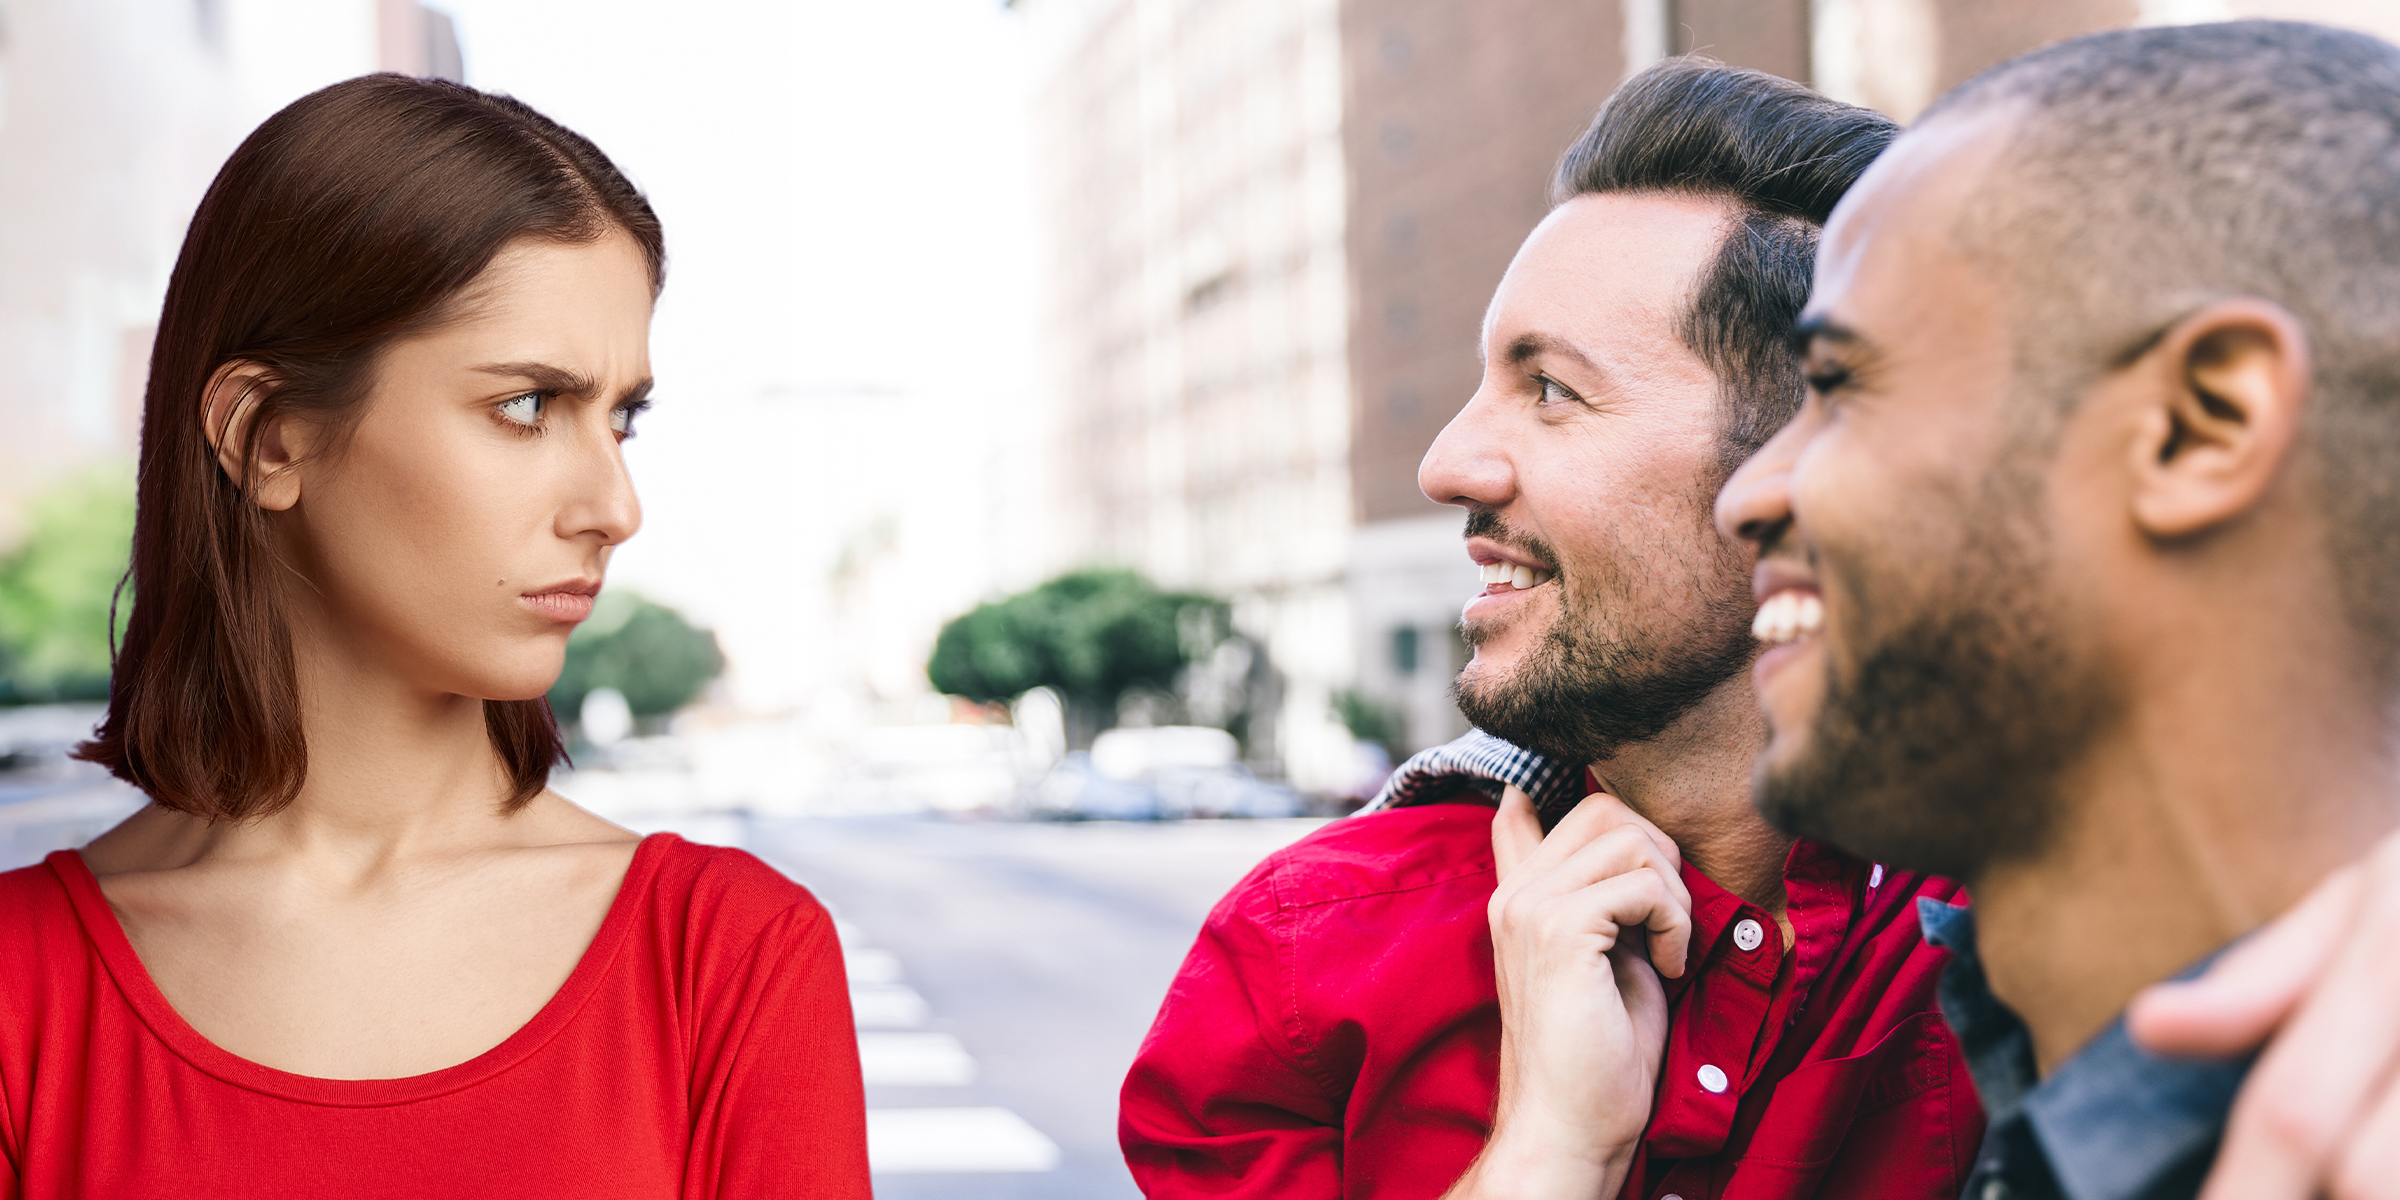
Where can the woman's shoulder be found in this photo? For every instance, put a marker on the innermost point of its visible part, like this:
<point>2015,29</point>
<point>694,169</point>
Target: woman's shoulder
<point>41,938</point>
<point>34,904</point>
<point>726,900</point>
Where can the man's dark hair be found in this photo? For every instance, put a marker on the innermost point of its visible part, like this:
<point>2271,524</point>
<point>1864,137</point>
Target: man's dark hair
<point>2155,171</point>
<point>1781,153</point>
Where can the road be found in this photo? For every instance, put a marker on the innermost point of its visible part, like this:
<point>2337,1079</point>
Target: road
<point>1043,949</point>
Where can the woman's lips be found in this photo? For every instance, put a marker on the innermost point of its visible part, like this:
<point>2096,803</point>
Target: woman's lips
<point>562,604</point>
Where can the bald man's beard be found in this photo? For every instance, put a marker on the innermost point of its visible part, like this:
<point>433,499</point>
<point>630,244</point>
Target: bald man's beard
<point>1607,673</point>
<point>1960,697</point>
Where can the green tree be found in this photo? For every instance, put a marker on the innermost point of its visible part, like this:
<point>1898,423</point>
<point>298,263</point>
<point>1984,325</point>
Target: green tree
<point>55,588</point>
<point>1090,635</point>
<point>643,649</point>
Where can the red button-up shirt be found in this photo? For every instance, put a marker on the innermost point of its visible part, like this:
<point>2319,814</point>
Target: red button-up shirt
<point>1336,1032</point>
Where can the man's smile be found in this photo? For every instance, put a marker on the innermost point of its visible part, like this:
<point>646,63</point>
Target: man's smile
<point>1791,613</point>
<point>1506,572</point>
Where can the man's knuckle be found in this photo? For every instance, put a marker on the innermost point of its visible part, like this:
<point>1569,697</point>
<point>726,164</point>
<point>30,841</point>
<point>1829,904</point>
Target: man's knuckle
<point>2290,1126</point>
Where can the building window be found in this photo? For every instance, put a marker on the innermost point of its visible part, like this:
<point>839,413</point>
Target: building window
<point>1404,650</point>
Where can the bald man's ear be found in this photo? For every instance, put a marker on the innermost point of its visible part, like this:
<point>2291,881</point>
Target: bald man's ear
<point>228,410</point>
<point>2223,424</point>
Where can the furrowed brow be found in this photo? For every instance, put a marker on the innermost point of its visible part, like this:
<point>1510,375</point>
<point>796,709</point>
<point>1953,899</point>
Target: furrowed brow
<point>546,377</point>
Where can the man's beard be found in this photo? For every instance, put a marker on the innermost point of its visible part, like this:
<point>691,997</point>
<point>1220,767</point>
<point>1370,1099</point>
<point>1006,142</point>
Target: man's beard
<point>1943,736</point>
<point>1600,678</point>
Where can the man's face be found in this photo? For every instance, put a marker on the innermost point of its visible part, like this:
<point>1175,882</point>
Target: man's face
<point>1922,678</point>
<point>1586,460</point>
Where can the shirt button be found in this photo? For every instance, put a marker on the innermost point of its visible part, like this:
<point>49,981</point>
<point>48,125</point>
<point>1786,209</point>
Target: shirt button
<point>1712,1078</point>
<point>1670,1196</point>
<point>1748,935</point>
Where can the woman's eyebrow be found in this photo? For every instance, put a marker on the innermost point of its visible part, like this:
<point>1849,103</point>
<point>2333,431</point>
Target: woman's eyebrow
<point>546,377</point>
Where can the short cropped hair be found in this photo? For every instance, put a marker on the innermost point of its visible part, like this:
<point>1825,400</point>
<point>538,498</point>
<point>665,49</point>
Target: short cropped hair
<point>2155,171</point>
<point>1782,155</point>
<point>350,219</point>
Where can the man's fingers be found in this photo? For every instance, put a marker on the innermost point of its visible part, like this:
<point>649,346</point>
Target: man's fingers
<point>1598,813</point>
<point>2331,1063</point>
<point>1640,899</point>
<point>1619,851</point>
<point>2370,1168</point>
<point>2244,995</point>
<point>1516,830</point>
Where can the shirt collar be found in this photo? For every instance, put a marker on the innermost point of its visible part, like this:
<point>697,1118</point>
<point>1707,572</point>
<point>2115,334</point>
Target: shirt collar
<point>2114,1122</point>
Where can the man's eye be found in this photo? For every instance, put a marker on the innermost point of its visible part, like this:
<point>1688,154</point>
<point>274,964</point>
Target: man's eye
<point>620,419</point>
<point>1554,392</point>
<point>525,409</point>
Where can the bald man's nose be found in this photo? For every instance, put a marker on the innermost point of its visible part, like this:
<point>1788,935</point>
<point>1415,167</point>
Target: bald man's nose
<point>1758,499</point>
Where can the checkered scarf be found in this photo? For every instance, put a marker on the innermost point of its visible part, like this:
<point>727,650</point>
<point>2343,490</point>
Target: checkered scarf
<point>1474,769</point>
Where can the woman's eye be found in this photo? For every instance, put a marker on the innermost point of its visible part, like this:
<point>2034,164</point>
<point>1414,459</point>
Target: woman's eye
<point>524,410</point>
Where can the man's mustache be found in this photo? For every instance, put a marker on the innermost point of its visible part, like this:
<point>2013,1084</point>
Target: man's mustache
<point>1487,523</point>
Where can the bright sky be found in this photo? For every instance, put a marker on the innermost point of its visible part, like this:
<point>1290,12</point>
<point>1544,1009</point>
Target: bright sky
<point>844,338</point>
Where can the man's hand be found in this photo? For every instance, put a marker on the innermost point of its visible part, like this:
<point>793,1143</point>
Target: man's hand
<point>2320,1113</point>
<point>1583,1019</point>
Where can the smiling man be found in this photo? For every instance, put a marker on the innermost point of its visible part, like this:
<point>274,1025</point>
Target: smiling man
<point>2080,557</point>
<point>1338,1029</point>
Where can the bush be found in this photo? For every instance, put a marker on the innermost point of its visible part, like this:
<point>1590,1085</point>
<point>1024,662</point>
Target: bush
<point>643,649</point>
<point>55,588</point>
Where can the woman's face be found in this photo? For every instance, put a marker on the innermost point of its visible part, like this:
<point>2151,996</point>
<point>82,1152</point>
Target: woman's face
<point>459,534</point>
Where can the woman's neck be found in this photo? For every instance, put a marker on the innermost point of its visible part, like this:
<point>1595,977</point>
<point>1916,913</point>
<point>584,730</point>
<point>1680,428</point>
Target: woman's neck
<point>394,768</point>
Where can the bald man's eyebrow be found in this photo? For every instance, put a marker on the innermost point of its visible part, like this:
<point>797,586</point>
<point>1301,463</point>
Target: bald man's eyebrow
<point>1808,331</point>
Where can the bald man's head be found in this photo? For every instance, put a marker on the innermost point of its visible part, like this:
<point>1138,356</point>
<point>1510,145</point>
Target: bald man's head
<point>2151,172</point>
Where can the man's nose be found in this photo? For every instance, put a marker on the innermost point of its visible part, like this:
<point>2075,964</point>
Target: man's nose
<point>1757,501</point>
<point>1468,464</point>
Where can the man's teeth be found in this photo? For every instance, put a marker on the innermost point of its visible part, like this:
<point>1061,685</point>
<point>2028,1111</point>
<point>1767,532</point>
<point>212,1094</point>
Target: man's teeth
<point>1513,575</point>
<point>1788,617</point>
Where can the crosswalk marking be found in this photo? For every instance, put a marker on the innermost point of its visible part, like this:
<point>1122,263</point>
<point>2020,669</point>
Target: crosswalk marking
<point>886,1006</point>
<point>925,1140</point>
<point>914,1060</point>
<point>894,1052</point>
<point>871,966</point>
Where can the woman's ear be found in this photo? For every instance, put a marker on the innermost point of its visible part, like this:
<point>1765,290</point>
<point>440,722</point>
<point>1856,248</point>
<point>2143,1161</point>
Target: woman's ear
<point>228,409</point>
<point>2234,379</point>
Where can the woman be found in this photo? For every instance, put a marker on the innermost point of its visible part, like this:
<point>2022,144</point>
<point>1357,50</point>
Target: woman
<point>353,946</point>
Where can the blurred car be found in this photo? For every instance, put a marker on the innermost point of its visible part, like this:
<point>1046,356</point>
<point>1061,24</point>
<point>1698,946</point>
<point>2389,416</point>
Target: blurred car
<point>1168,772</point>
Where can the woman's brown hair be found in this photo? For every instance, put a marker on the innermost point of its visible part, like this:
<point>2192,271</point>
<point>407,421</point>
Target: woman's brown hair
<point>347,220</point>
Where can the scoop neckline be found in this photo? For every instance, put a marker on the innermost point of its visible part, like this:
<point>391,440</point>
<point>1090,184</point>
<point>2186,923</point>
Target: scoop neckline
<point>142,993</point>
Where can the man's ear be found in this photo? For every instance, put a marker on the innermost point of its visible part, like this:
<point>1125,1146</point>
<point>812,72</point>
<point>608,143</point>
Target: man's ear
<point>228,409</point>
<point>2214,436</point>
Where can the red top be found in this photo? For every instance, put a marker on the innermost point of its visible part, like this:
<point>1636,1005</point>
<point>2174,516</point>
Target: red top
<point>701,1047</point>
<point>1336,1032</point>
